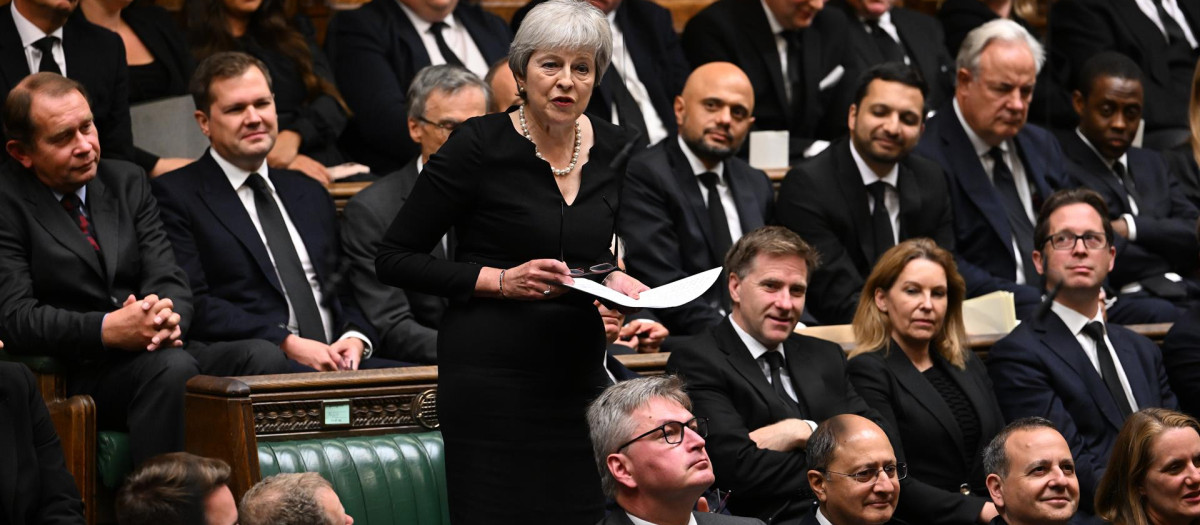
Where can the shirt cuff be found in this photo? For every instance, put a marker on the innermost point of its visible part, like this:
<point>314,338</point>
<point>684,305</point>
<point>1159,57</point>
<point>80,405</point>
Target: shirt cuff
<point>811,423</point>
<point>1132,223</point>
<point>359,335</point>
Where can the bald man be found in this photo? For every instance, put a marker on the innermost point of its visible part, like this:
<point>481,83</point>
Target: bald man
<point>688,199</point>
<point>853,473</point>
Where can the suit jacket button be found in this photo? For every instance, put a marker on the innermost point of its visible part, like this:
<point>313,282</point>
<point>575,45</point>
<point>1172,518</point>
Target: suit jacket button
<point>114,300</point>
<point>965,489</point>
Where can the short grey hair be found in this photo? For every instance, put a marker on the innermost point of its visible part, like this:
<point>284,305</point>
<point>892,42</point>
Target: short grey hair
<point>1000,29</point>
<point>609,419</point>
<point>995,458</point>
<point>285,499</point>
<point>562,24</point>
<point>445,78</point>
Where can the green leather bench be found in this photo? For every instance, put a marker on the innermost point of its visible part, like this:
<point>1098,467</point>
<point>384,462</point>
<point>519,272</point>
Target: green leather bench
<point>381,480</point>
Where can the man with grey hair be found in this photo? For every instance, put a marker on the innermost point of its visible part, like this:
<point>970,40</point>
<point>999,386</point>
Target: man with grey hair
<point>998,166</point>
<point>1031,475</point>
<point>853,473</point>
<point>440,98</point>
<point>649,449</point>
<point>293,499</point>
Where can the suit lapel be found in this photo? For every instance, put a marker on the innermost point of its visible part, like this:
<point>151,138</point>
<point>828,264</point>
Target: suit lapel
<point>409,37</point>
<point>107,218</point>
<point>759,32</point>
<point>910,202</point>
<point>807,386</point>
<point>1096,173</point>
<point>855,195</point>
<point>1143,393</point>
<point>812,77</point>
<point>1149,36</point>
<point>50,214</point>
<point>911,380</point>
<point>487,44</point>
<point>970,175</point>
<point>222,200</point>
<point>12,54</point>
<point>1035,166</point>
<point>748,208</point>
<point>1063,344</point>
<point>740,361</point>
<point>688,188</point>
<point>298,208</point>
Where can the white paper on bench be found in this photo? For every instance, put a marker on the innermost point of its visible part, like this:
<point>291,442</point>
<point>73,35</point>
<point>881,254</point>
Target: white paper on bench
<point>668,295</point>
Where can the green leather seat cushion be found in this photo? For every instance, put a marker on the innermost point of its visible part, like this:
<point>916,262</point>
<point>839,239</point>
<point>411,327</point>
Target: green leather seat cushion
<point>113,458</point>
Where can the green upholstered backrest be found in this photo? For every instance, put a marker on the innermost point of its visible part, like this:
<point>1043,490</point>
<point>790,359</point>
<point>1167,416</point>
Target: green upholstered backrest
<point>40,364</point>
<point>381,480</point>
<point>114,461</point>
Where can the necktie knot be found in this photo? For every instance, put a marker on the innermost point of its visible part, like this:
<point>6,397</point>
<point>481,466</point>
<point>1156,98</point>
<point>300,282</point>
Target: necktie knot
<point>47,64</point>
<point>45,44</point>
<point>437,27</point>
<point>258,184</point>
<point>997,154</point>
<point>878,190</point>
<point>709,180</point>
<point>774,360</point>
<point>1095,330</point>
<point>1118,168</point>
<point>70,201</point>
<point>443,47</point>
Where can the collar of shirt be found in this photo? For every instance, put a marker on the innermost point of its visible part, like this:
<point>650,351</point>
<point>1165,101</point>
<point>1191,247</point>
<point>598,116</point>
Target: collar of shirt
<point>639,521</point>
<point>29,32</point>
<point>237,176</point>
<point>420,164</point>
<point>756,348</point>
<point>885,23</point>
<point>776,27</point>
<point>1171,7</point>
<point>868,175</point>
<point>981,148</point>
<point>697,165</point>
<point>422,25</point>
<point>81,193</point>
<point>821,518</point>
<point>1075,321</point>
<point>1123,159</point>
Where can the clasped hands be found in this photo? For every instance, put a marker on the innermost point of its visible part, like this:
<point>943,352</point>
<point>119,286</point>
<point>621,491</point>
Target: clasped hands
<point>148,324</point>
<point>344,354</point>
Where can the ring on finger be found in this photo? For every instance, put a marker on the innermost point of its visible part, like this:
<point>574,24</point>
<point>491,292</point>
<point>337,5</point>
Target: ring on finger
<point>546,291</point>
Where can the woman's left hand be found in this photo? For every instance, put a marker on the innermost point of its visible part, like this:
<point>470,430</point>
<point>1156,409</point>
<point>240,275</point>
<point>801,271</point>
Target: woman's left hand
<point>624,283</point>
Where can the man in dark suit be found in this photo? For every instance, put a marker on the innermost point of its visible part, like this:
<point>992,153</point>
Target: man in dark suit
<point>853,473</point>
<point>1067,363</point>
<point>87,274</point>
<point>1161,37</point>
<point>650,451</point>
<point>377,49</point>
<point>863,195</point>
<point>440,98</point>
<point>881,32</point>
<point>260,247</point>
<point>1151,216</point>
<point>647,70</point>
<point>999,167</point>
<point>89,54</point>
<point>687,199</point>
<point>1050,498</point>
<point>35,486</point>
<point>764,387</point>
<point>797,56</point>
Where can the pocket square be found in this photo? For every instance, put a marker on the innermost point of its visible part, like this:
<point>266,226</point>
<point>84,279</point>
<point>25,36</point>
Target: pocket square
<point>832,78</point>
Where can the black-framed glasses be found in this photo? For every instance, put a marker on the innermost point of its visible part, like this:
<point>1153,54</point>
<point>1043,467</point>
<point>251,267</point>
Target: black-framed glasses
<point>1067,240</point>
<point>868,475</point>
<point>672,431</point>
<point>718,500</point>
<point>595,269</point>
<point>445,125</point>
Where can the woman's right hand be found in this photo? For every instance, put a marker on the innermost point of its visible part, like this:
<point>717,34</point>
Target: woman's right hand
<point>536,279</point>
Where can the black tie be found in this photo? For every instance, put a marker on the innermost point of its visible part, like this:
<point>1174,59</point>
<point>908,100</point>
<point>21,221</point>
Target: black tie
<point>627,107</point>
<point>287,262</point>
<point>1108,369</point>
<point>452,59</point>
<point>1174,32</point>
<point>1018,219</point>
<point>795,75</point>
<point>1127,182</point>
<point>881,220</point>
<point>888,47</point>
<point>722,239</point>
<point>775,363</point>
<point>46,46</point>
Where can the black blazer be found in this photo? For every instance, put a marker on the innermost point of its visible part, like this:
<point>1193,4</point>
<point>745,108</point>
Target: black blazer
<point>728,387</point>
<point>238,294</point>
<point>406,321</point>
<point>95,58</point>
<point>983,237</point>
<point>1182,166</point>
<point>1040,370</point>
<point>54,290</point>
<point>664,222</point>
<point>35,487</point>
<point>1166,221</point>
<point>923,42</point>
<point>737,31</point>
<point>823,199</point>
<point>155,27</point>
<point>658,58</point>
<point>1181,358</point>
<point>959,17</point>
<point>376,52</point>
<point>935,454</point>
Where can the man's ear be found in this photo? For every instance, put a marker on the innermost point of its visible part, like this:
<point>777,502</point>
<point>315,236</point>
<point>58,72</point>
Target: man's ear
<point>816,481</point>
<point>1078,102</point>
<point>1038,263</point>
<point>851,117</point>
<point>621,469</point>
<point>735,286</point>
<point>17,151</point>
<point>679,111</point>
<point>202,120</point>
<point>994,486</point>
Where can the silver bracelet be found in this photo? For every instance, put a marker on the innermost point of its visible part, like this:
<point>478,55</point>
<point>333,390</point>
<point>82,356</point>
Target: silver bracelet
<point>502,282</point>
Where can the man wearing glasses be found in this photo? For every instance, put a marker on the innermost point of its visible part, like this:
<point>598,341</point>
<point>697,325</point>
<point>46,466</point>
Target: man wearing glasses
<point>1067,364</point>
<point>650,452</point>
<point>854,473</point>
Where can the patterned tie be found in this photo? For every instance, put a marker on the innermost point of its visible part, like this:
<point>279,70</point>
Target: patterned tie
<point>46,46</point>
<point>444,48</point>
<point>70,202</point>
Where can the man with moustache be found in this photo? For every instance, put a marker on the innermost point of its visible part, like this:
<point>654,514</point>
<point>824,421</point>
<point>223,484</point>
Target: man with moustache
<point>1070,365</point>
<point>1153,219</point>
<point>854,473</point>
<point>863,195</point>
<point>1031,475</point>
<point>765,387</point>
<point>649,448</point>
<point>687,199</point>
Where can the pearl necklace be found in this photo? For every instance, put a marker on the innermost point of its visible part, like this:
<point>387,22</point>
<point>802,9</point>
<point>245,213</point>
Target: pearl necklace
<point>574,156</point>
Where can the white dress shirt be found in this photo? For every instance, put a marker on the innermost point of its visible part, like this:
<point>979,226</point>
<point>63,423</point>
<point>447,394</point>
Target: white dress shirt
<point>731,211</point>
<point>1075,322</point>
<point>457,38</point>
<point>29,34</point>
<point>891,197</point>
<point>622,62</point>
<point>780,44</point>
<point>1172,9</point>
<point>757,350</point>
<point>237,178</point>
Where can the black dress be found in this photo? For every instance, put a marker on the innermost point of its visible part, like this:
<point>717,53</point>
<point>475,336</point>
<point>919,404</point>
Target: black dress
<point>514,377</point>
<point>168,74</point>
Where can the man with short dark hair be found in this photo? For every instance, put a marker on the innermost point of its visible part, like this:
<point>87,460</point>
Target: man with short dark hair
<point>688,198</point>
<point>293,499</point>
<point>866,193</point>
<point>764,386</point>
<point>853,473</point>
<point>1026,446</point>
<point>1067,364</point>
<point>178,488</point>
<point>650,452</point>
<point>1153,220</point>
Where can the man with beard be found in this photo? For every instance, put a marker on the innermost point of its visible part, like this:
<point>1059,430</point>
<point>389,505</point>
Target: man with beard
<point>687,199</point>
<point>1031,474</point>
<point>863,195</point>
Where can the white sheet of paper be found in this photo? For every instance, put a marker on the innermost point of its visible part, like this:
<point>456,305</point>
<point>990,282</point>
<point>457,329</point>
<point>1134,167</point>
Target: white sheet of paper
<point>666,296</point>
